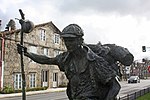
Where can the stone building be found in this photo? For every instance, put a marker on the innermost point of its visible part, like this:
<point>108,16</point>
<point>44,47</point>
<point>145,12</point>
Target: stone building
<point>44,40</point>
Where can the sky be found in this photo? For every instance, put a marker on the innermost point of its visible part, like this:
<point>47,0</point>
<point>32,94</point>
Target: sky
<point>125,23</point>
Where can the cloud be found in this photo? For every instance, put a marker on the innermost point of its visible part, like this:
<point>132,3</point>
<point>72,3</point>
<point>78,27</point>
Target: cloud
<point>123,22</point>
<point>123,7</point>
<point>38,12</point>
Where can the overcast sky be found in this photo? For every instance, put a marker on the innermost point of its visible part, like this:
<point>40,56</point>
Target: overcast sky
<point>122,22</point>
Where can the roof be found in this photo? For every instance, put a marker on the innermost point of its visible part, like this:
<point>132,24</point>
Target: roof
<point>3,33</point>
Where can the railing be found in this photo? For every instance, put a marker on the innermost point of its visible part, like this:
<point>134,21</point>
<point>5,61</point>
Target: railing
<point>135,95</point>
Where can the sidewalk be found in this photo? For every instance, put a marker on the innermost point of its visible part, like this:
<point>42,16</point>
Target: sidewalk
<point>33,92</point>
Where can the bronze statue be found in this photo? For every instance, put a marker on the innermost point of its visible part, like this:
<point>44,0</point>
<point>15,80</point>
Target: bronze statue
<point>90,69</point>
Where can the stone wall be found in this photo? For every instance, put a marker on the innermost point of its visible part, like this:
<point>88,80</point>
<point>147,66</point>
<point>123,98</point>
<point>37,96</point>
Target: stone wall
<point>12,58</point>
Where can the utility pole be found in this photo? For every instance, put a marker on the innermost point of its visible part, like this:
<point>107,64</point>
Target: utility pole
<point>146,61</point>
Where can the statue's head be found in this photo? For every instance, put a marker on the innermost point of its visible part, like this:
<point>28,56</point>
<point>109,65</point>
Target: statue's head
<point>72,35</point>
<point>72,30</point>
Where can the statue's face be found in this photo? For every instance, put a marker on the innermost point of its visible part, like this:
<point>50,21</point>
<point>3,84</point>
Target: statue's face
<point>72,43</point>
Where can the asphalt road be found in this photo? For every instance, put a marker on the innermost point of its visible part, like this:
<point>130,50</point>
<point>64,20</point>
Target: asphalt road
<point>45,96</point>
<point>127,88</point>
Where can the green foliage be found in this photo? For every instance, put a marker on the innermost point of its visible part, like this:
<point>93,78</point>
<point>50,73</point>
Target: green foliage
<point>145,97</point>
<point>63,85</point>
<point>36,89</point>
<point>8,90</point>
<point>17,91</point>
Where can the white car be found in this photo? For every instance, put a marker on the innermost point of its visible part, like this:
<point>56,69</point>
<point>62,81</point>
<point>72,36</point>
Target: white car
<point>134,79</point>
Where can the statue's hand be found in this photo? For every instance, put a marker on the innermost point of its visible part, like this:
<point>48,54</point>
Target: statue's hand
<point>21,48</point>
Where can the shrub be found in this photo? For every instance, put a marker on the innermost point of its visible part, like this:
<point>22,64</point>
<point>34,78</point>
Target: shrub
<point>63,85</point>
<point>7,90</point>
<point>36,89</point>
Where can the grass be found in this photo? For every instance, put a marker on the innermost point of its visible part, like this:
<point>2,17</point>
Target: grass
<point>145,97</point>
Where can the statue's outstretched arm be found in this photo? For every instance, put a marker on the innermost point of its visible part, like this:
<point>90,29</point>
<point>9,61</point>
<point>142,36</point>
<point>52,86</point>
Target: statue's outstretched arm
<point>41,59</point>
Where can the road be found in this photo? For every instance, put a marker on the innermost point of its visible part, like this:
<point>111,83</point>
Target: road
<point>126,89</point>
<point>45,96</point>
<point>133,87</point>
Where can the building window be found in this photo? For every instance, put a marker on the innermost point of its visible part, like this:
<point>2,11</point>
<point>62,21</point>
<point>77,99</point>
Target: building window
<point>33,49</point>
<point>32,80</point>
<point>42,34</point>
<point>46,52</point>
<point>56,38</point>
<point>17,80</point>
<point>56,52</point>
<point>55,77</point>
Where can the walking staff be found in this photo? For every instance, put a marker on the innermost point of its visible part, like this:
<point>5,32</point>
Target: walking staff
<point>26,27</point>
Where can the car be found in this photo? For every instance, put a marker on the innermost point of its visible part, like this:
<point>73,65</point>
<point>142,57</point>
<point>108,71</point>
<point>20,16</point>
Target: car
<point>134,79</point>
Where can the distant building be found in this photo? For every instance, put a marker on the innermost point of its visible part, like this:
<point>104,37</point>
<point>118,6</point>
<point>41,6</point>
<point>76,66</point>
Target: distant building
<point>44,39</point>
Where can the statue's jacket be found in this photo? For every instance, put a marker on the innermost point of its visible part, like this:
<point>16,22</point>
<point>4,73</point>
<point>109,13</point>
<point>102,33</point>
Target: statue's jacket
<point>87,74</point>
